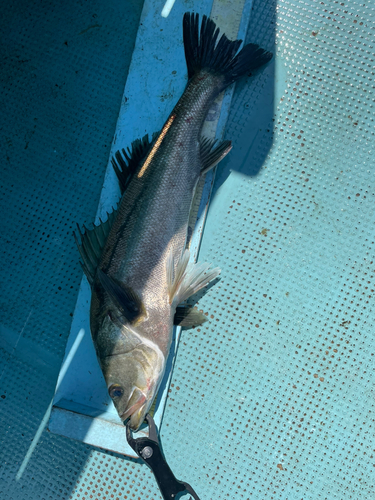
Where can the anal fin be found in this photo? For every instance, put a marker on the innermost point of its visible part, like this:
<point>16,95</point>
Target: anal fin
<point>211,154</point>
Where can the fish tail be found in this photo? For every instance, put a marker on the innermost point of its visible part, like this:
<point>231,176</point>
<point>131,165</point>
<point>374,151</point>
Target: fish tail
<point>203,53</point>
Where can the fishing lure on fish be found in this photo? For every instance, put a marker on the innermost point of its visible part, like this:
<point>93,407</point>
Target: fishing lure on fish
<point>137,262</point>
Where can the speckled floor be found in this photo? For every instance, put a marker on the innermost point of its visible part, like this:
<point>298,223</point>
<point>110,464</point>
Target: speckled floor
<point>274,397</point>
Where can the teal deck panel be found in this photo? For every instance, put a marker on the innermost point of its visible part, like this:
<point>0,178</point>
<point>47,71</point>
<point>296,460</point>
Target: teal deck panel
<point>63,72</point>
<point>274,396</point>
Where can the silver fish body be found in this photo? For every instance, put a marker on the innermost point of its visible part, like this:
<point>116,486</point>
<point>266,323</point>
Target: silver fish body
<point>149,231</point>
<point>143,272</point>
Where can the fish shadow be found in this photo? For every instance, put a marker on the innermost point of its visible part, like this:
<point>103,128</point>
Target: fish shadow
<point>250,124</point>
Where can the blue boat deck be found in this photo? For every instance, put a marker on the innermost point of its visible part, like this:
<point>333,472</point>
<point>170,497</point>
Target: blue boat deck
<point>274,396</point>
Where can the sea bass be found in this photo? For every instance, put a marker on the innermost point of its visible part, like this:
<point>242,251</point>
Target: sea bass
<point>137,262</point>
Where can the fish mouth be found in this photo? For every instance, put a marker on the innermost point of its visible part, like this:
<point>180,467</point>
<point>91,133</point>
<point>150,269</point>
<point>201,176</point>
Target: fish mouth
<point>137,419</point>
<point>135,403</point>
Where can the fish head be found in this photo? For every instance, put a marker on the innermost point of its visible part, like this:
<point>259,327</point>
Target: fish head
<point>133,372</point>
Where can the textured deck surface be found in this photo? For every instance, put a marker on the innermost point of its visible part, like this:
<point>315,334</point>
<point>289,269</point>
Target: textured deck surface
<point>274,397</point>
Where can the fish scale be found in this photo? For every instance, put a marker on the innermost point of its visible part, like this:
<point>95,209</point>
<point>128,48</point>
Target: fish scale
<point>166,188</point>
<point>143,271</point>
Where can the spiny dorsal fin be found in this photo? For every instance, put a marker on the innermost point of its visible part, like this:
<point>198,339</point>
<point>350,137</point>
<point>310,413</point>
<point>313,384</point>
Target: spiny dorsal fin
<point>92,243</point>
<point>188,316</point>
<point>126,161</point>
<point>211,155</point>
<point>124,297</point>
<point>188,278</point>
<point>93,240</point>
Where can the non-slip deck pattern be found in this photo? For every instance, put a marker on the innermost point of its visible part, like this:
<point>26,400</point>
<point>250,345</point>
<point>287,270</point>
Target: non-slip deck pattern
<point>282,378</point>
<point>274,397</point>
<point>63,72</point>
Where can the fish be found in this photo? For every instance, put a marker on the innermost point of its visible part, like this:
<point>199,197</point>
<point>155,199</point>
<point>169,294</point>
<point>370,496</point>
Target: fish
<point>137,261</point>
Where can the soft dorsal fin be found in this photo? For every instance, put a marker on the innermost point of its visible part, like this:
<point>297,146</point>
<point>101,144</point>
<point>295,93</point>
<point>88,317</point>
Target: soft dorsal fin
<point>188,278</point>
<point>92,243</point>
<point>211,155</point>
<point>126,161</point>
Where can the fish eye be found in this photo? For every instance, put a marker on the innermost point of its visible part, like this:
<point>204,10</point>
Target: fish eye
<point>115,391</point>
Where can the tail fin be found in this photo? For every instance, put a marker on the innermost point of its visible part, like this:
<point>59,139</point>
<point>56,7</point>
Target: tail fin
<point>202,52</point>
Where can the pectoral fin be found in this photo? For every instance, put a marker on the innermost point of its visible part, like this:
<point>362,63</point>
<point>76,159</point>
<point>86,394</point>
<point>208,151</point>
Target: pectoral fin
<point>188,278</point>
<point>188,316</point>
<point>124,298</point>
